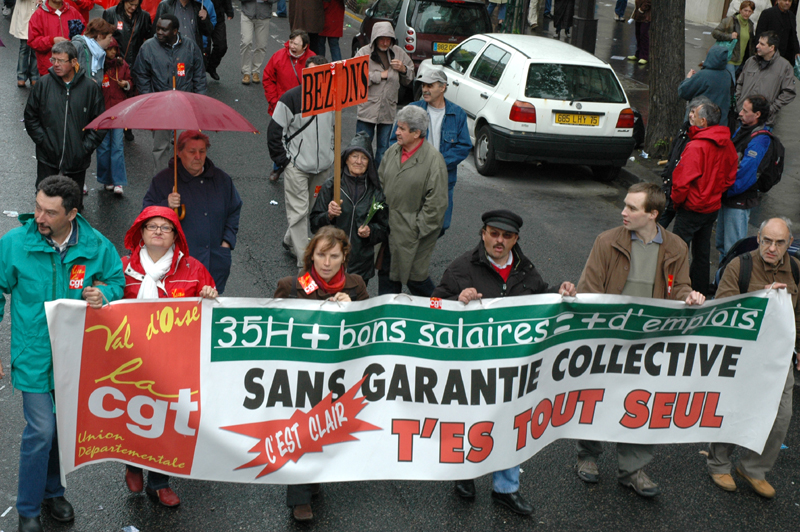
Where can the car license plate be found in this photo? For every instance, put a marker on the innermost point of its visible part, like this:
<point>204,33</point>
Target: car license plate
<point>572,119</point>
<point>444,47</point>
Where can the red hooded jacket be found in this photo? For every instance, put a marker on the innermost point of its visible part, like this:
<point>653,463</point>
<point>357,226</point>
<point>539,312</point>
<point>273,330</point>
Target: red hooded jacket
<point>116,70</point>
<point>185,278</point>
<point>282,73</point>
<point>706,170</point>
<point>44,25</point>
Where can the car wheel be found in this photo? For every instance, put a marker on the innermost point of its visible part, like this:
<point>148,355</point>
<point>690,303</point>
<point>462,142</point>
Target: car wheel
<point>485,160</point>
<point>606,174</point>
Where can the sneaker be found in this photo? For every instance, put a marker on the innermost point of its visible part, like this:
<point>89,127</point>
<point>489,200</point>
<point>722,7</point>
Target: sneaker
<point>642,61</point>
<point>255,77</point>
<point>246,79</point>
<point>118,190</point>
<point>587,471</point>
<point>724,481</point>
<point>632,58</point>
<point>641,484</point>
<point>85,190</point>
<point>762,487</point>
<point>6,11</point>
<point>109,187</point>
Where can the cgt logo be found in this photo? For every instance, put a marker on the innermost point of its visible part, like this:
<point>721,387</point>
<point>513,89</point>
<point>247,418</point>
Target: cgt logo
<point>177,292</point>
<point>76,276</point>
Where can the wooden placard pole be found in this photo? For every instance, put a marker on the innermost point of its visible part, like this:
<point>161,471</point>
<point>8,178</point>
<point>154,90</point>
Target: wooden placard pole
<point>337,136</point>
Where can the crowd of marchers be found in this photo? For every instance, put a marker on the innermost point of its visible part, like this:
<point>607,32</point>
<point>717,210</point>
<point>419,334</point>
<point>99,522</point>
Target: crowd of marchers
<point>398,176</point>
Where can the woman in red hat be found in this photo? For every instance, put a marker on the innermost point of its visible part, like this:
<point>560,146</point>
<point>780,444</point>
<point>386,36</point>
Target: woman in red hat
<point>160,267</point>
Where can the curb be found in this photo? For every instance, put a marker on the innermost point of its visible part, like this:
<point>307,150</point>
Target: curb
<point>634,172</point>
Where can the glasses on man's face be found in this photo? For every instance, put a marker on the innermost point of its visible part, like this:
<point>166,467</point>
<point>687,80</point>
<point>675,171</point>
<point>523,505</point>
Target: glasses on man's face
<point>166,229</point>
<point>57,61</point>
<point>768,243</point>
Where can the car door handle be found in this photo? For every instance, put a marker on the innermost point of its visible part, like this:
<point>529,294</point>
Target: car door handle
<point>456,83</point>
<point>485,96</point>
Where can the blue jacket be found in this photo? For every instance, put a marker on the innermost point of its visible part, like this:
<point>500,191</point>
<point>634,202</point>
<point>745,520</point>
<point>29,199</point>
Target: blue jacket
<point>33,273</point>
<point>711,83</point>
<point>212,214</point>
<point>454,144</point>
<point>750,159</point>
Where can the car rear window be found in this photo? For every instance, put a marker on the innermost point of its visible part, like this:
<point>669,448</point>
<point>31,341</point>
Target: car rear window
<point>446,18</point>
<point>573,82</point>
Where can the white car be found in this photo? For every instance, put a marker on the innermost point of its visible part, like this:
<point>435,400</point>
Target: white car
<point>532,99</point>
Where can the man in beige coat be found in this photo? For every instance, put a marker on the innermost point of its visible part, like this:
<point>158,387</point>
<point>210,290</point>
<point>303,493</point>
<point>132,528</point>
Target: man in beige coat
<point>413,175</point>
<point>389,67</point>
<point>640,259</point>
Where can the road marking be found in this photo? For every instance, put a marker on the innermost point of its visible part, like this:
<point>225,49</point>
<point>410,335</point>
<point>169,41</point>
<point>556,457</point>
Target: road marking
<point>354,17</point>
<point>6,512</point>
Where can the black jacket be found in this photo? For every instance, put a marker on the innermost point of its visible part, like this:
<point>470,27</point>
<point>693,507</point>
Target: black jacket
<point>157,64</point>
<point>203,27</point>
<point>362,257</point>
<point>55,117</point>
<point>473,270</point>
<point>134,32</point>
<point>221,6</point>
<point>785,25</point>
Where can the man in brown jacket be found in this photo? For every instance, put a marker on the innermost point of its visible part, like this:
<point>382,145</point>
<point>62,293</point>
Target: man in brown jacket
<point>770,267</point>
<point>639,259</point>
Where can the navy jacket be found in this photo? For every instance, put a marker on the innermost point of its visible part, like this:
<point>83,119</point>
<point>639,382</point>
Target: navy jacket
<point>212,214</point>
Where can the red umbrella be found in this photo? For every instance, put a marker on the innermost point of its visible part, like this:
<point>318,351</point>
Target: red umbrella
<point>172,110</point>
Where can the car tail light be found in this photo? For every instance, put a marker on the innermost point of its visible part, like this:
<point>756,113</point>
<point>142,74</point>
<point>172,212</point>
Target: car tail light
<point>411,40</point>
<point>626,119</point>
<point>522,112</point>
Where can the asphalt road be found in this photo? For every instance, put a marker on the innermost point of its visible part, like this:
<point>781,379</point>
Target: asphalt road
<point>563,208</point>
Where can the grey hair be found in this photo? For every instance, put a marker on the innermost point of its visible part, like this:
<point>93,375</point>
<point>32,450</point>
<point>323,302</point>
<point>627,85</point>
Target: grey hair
<point>65,47</point>
<point>416,118</point>
<point>786,220</point>
<point>697,102</point>
<point>710,112</point>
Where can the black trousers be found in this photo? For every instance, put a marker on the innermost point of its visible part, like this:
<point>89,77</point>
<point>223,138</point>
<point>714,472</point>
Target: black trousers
<point>219,42</point>
<point>695,229</point>
<point>297,494</point>
<point>44,171</point>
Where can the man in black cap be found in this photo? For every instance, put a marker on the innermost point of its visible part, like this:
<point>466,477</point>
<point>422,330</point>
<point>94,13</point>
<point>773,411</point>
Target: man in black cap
<point>496,268</point>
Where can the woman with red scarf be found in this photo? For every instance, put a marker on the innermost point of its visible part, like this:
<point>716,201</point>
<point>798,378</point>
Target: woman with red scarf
<point>159,267</point>
<point>323,278</point>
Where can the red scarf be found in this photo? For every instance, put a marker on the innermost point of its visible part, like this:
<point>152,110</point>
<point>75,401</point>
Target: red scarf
<point>332,287</point>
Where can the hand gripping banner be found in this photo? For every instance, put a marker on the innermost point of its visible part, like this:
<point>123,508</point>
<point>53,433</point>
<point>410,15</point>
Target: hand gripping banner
<point>289,391</point>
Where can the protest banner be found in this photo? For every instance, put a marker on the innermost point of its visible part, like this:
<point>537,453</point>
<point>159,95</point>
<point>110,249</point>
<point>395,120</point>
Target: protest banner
<point>293,391</point>
<point>333,87</point>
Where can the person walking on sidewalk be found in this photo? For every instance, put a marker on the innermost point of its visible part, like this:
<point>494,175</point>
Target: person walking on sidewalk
<point>333,29</point>
<point>707,169</point>
<point>219,36</point>
<point>563,13</point>
<point>641,18</point>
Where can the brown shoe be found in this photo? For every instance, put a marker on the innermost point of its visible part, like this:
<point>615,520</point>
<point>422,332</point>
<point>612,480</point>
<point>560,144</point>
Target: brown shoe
<point>641,484</point>
<point>762,487</point>
<point>256,77</point>
<point>275,175</point>
<point>302,512</point>
<point>724,481</point>
<point>246,79</point>
<point>21,83</point>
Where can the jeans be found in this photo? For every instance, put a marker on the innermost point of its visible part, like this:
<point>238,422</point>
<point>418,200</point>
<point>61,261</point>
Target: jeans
<point>501,13</point>
<point>155,480</point>
<point>620,8</point>
<point>333,44</point>
<point>384,132</point>
<point>111,159</point>
<point>731,227</point>
<point>695,229</point>
<point>548,6</point>
<point>39,475</point>
<point>731,68</point>
<point>281,12</point>
<point>506,481</point>
<point>26,63</point>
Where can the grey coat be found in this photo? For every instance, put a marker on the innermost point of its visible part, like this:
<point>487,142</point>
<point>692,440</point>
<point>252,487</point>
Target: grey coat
<point>157,64</point>
<point>416,196</point>
<point>773,79</point>
<point>381,104</point>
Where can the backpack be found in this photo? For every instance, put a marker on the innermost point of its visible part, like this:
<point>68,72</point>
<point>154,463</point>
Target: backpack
<point>742,249</point>
<point>746,269</point>
<point>770,170</point>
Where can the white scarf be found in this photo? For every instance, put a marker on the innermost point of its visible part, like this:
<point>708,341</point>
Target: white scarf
<point>154,272</point>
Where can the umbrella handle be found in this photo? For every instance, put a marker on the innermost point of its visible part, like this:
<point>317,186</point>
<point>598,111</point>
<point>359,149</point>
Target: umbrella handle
<point>181,211</point>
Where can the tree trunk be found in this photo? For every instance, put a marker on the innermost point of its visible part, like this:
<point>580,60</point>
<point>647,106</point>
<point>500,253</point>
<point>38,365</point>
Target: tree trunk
<point>667,53</point>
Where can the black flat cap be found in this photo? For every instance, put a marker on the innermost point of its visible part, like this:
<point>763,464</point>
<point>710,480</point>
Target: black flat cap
<point>502,219</point>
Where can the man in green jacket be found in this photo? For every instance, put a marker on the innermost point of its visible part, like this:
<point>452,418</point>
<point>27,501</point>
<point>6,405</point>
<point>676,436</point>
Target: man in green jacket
<point>56,254</point>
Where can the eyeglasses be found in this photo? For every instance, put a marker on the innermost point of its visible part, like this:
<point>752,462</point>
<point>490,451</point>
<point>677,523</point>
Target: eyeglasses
<point>166,229</point>
<point>768,243</point>
<point>57,61</point>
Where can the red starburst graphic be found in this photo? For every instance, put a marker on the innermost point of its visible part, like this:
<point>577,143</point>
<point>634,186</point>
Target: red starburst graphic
<point>281,440</point>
